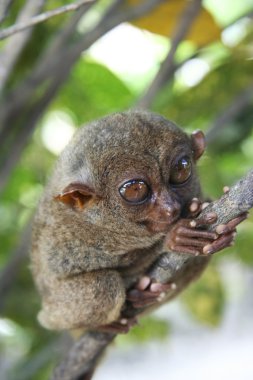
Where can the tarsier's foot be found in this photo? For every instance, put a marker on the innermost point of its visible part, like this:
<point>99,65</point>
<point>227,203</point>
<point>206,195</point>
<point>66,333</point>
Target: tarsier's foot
<point>147,292</point>
<point>122,326</point>
<point>187,236</point>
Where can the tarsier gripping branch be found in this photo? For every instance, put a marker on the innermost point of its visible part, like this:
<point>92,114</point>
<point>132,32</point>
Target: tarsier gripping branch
<point>124,191</point>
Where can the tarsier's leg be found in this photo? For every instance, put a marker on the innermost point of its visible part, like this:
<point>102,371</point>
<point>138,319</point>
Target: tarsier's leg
<point>89,299</point>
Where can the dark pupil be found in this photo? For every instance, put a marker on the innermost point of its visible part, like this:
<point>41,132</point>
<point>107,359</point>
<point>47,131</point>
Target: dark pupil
<point>134,191</point>
<point>181,171</point>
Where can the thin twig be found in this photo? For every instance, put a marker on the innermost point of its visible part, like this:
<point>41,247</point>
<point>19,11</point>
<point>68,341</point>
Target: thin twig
<point>186,20</point>
<point>4,9</point>
<point>41,18</point>
<point>238,105</point>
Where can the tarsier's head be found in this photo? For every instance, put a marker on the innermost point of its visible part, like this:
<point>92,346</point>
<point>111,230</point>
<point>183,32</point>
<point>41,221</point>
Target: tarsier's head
<point>133,168</point>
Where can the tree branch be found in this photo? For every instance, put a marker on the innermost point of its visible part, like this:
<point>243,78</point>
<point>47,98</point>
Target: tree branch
<point>9,273</point>
<point>54,68</point>
<point>166,68</point>
<point>85,352</point>
<point>4,9</point>
<point>13,48</point>
<point>238,105</point>
<point>19,27</point>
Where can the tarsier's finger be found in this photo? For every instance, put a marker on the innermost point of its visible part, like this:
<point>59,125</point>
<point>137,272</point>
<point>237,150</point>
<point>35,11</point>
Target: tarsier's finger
<point>142,298</point>
<point>181,240</point>
<point>143,283</point>
<point>204,205</point>
<point>230,226</point>
<point>189,232</point>
<point>195,207</point>
<point>136,295</point>
<point>224,241</point>
<point>115,328</point>
<point>186,249</point>
<point>207,219</point>
<point>143,303</point>
<point>157,287</point>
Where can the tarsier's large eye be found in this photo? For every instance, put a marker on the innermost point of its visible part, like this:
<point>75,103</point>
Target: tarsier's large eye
<point>180,171</point>
<point>135,191</point>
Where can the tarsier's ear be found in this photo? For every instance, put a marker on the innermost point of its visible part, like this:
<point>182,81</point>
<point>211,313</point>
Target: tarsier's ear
<point>198,143</point>
<point>76,195</point>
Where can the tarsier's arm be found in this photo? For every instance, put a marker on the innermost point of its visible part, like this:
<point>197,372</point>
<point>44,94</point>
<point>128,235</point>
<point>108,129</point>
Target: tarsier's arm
<point>186,237</point>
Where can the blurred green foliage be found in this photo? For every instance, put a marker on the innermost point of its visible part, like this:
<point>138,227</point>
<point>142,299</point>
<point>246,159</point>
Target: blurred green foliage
<point>91,91</point>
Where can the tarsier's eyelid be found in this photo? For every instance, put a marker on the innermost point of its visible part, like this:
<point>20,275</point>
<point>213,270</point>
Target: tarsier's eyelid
<point>179,176</point>
<point>135,191</point>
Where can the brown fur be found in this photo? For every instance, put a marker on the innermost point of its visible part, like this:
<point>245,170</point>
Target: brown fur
<point>90,246</point>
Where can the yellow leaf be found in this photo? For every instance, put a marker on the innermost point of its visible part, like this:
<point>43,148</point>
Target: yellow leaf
<point>164,19</point>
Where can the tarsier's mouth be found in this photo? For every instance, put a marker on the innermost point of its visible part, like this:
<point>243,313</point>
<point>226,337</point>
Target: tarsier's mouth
<point>155,226</point>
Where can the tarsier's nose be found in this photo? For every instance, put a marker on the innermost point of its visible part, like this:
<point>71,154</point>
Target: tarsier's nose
<point>174,209</point>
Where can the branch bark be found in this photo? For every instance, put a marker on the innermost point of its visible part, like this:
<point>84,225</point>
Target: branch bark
<point>86,352</point>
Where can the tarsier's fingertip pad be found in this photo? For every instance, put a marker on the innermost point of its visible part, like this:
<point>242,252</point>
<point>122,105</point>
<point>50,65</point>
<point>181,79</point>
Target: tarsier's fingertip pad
<point>211,216</point>
<point>207,249</point>
<point>204,205</point>
<point>221,229</point>
<point>194,205</point>
<point>226,189</point>
<point>143,283</point>
<point>193,223</point>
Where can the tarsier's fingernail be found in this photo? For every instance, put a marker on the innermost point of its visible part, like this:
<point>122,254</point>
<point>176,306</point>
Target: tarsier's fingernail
<point>204,205</point>
<point>195,199</point>
<point>211,215</point>
<point>143,283</point>
<point>207,249</point>
<point>193,223</point>
<point>194,206</point>
<point>221,229</point>
<point>173,286</point>
<point>123,321</point>
<point>155,287</point>
<point>226,189</point>
<point>197,254</point>
<point>161,297</point>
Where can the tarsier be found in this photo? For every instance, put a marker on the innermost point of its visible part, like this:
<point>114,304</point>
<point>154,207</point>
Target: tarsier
<point>123,191</point>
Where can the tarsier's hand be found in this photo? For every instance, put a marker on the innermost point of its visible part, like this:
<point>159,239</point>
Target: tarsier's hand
<point>188,235</point>
<point>147,292</point>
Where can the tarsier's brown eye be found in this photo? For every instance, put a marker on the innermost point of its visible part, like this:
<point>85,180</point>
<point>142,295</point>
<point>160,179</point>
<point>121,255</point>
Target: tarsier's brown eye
<point>135,191</point>
<point>181,170</point>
